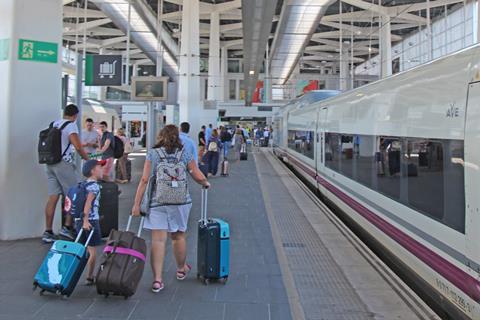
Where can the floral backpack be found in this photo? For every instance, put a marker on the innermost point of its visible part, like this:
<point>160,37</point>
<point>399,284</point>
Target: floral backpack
<point>171,179</point>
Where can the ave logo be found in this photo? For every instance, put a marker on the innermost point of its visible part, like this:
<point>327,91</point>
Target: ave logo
<point>453,111</point>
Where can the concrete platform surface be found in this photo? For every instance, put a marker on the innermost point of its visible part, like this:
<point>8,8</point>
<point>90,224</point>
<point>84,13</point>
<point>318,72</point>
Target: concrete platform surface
<point>287,262</point>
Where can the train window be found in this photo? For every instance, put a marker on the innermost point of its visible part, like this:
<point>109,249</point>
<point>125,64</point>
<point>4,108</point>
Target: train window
<point>332,151</point>
<point>434,170</point>
<point>365,165</point>
<point>426,175</point>
<point>388,158</point>
<point>302,142</point>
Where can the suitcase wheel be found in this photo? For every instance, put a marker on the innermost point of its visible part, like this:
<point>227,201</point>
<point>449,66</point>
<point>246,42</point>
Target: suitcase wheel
<point>41,292</point>
<point>58,293</point>
<point>65,297</point>
<point>224,280</point>
<point>206,281</point>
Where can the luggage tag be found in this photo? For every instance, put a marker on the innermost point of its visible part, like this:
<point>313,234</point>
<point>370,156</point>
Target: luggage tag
<point>174,184</point>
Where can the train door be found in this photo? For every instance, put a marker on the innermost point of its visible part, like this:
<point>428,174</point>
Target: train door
<point>321,122</point>
<point>472,175</point>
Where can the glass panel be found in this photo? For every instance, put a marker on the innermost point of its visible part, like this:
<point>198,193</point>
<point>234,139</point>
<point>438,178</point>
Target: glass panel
<point>206,90</point>
<point>233,66</point>
<point>366,166</point>
<point>242,91</point>
<point>302,142</point>
<point>388,180</point>
<point>426,175</point>
<point>332,151</point>
<point>232,89</point>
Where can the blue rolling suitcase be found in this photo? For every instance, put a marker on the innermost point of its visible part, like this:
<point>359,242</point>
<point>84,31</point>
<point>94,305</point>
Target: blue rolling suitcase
<point>62,267</point>
<point>213,246</point>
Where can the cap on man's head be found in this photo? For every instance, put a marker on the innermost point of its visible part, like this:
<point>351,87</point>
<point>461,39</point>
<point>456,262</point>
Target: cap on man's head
<point>89,165</point>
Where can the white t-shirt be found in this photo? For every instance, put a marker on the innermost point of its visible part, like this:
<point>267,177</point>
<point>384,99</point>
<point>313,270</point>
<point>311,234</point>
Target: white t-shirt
<point>90,137</point>
<point>266,134</point>
<point>66,132</point>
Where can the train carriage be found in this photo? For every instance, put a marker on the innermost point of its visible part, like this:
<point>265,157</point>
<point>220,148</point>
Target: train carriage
<point>400,158</point>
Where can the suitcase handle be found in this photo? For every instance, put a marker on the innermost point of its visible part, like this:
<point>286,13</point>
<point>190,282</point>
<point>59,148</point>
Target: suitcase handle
<point>203,213</point>
<point>140,227</point>
<point>88,238</point>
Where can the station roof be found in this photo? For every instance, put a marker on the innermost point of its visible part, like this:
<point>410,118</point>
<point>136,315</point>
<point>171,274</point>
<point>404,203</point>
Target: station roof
<point>303,33</point>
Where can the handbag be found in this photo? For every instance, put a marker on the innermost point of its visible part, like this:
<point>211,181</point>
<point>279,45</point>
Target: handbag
<point>147,195</point>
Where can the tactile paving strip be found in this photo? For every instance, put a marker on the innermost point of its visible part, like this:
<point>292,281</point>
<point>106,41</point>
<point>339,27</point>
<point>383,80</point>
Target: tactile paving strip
<point>323,289</point>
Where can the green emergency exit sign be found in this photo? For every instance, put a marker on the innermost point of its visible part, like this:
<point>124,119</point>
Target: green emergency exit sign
<point>39,51</point>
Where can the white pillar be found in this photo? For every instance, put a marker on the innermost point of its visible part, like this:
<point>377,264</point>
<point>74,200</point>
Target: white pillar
<point>170,114</point>
<point>385,48</point>
<point>30,98</point>
<point>214,58</point>
<point>189,98</point>
<point>343,66</point>
<point>224,85</point>
<point>478,21</point>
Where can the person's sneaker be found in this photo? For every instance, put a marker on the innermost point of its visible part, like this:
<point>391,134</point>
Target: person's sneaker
<point>67,233</point>
<point>49,237</point>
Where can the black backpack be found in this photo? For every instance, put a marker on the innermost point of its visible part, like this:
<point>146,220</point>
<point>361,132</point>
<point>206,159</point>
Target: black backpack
<point>118,148</point>
<point>50,144</point>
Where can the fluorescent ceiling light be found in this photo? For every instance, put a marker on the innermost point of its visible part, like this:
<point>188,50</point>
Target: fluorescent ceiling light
<point>251,72</point>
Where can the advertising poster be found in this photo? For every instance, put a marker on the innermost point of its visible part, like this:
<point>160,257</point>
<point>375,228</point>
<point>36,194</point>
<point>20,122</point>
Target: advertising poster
<point>303,86</point>
<point>258,94</point>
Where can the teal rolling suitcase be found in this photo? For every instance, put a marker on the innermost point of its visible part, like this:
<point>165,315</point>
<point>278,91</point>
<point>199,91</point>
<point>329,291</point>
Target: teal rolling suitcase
<point>62,267</point>
<point>213,247</point>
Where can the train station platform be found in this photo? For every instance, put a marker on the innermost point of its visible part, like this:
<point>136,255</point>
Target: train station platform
<point>291,258</point>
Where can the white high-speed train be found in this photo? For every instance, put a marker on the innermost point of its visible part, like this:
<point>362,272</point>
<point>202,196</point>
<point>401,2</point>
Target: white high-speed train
<point>400,160</point>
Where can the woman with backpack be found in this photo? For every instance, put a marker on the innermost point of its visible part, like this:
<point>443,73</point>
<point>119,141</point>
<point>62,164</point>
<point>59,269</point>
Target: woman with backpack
<point>169,200</point>
<point>213,152</point>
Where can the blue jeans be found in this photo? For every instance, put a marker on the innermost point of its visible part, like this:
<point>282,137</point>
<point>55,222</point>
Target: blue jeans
<point>212,160</point>
<point>226,148</point>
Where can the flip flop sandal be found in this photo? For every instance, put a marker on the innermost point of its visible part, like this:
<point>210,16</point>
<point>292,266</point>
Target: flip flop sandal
<point>157,286</point>
<point>182,274</point>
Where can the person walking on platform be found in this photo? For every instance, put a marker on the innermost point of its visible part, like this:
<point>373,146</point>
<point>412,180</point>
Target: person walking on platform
<point>208,132</point>
<point>214,145</point>
<point>63,175</point>
<point>106,149</point>
<point>239,140</point>
<point>164,219</point>
<point>187,141</point>
<point>122,161</point>
<point>226,139</point>
<point>90,137</point>
<point>201,144</point>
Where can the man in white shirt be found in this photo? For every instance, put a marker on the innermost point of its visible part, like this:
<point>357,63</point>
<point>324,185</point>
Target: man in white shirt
<point>63,175</point>
<point>90,137</point>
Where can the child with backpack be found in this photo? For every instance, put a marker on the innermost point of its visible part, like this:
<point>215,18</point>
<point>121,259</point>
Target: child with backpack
<point>83,203</point>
